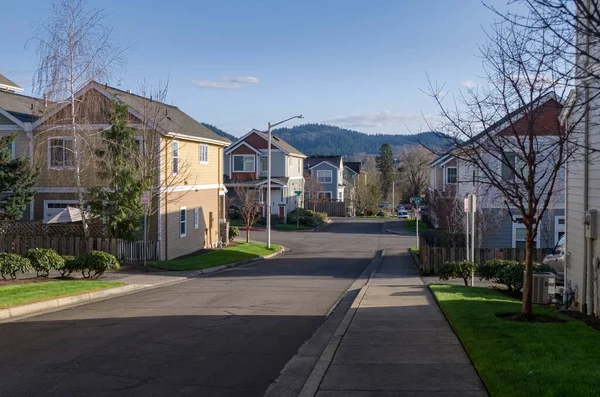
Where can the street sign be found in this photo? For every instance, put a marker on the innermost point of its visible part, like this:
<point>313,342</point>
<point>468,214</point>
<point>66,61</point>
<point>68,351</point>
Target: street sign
<point>298,192</point>
<point>466,204</point>
<point>145,198</point>
<point>416,200</point>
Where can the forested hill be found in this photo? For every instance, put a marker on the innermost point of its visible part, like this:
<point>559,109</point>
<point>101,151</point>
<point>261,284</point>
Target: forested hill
<point>313,139</point>
<point>220,132</point>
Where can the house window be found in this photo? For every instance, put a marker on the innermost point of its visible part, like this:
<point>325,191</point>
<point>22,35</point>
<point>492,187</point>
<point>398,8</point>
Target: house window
<point>11,147</point>
<point>264,164</point>
<point>61,152</point>
<point>243,163</point>
<point>175,147</point>
<point>340,195</point>
<point>451,175</point>
<point>508,164</point>
<point>559,228</point>
<point>324,176</point>
<point>196,218</point>
<point>182,222</point>
<point>203,154</point>
<point>139,141</point>
<point>324,195</point>
<point>520,234</point>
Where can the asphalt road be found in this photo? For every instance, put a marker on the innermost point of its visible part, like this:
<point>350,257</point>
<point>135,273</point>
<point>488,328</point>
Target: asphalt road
<point>225,335</point>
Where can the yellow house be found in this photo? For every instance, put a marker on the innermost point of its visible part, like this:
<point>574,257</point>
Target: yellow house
<point>183,158</point>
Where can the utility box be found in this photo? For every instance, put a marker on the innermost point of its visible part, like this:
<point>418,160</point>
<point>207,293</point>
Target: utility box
<point>544,287</point>
<point>590,222</point>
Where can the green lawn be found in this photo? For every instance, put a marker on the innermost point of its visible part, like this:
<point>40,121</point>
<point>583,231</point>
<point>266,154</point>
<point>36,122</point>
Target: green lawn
<point>522,359</point>
<point>411,225</point>
<point>21,294</point>
<point>289,226</point>
<point>218,257</point>
<point>414,250</point>
<point>238,223</point>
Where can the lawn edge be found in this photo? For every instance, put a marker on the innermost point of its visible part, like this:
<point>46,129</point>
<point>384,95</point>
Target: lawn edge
<point>458,336</point>
<point>208,270</point>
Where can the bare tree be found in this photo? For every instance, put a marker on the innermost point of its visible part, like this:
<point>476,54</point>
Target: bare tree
<point>414,169</point>
<point>508,130</point>
<point>366,197</point>
<point>312,187</point>
<point>487,219</point>
<point>446,213</point>
<point>247,201</point>
<point>74,46</point>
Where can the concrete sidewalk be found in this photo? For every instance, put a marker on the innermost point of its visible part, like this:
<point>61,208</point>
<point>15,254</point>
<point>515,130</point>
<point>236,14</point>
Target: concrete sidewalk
<point>398,342</point>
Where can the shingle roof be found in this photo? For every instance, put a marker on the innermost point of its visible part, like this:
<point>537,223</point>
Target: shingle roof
<point>23,107</point>
<point>353,165</point>
<point>314,160</point>
<point>175,120</point>
<point>281,143</point>
<point>5,83</point>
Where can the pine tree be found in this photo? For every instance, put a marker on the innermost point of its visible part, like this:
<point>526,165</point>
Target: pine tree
<point>18,177</point>
<point>385,166</point>
<point>119,203</point>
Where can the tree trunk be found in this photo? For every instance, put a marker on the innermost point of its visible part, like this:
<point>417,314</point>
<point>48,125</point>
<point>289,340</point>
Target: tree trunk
<point>247,233</point>
<point>527,305</point>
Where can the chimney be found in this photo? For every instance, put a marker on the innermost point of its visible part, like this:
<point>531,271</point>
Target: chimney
<point>128,91</point>
<point>45,100</point>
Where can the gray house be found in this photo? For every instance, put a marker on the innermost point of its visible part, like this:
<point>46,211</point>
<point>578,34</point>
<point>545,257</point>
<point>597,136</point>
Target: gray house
<point>328,172</point>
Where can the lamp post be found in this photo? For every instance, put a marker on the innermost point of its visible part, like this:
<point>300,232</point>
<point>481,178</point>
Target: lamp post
<point>269,177</point>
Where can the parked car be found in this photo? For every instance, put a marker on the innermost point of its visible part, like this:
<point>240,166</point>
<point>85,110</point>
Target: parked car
<point>403,214</point>
<point>556,259</point>
<point>408,207</point>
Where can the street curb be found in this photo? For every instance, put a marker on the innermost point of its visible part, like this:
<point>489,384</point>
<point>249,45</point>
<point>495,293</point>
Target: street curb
<point>322,226</point>
<point>48,306</point>
<point>311,387</point>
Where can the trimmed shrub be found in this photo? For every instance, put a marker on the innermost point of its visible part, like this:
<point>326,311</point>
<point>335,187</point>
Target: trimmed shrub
<point>44,259</point>
<point>233,232</point>
<point>509,273</point>
<point>71,265</point>
<point>462,269</point>
<point>489,270</point>
<point>95,263</point>
<point>13,264</point>
<point>307,217</point>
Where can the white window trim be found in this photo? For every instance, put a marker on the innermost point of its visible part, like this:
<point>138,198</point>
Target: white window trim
<point>243,162</point>
<point>200,152</point>
<point>196,218</point>
<point>325,191</point>
<point>559,228</point>
<point>341,195</point>
<point>516,226</point>
<point>446,175</point>
<point>173,157</point>
<point>325,172</point>
<point>184,209</point>
<point>50,166</point>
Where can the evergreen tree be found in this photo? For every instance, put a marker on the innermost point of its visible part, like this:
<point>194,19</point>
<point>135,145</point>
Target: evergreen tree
<point>18,177</point>
<point>119,168</point>
<point>385,166</point>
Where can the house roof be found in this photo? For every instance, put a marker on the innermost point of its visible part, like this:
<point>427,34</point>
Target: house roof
<point>354,166</point>
<point>336,161</point>
<point>495,126</point>
<point>8,85</point>
<point>23,107</point>
<point>175,121</point>
<point>255,182</point>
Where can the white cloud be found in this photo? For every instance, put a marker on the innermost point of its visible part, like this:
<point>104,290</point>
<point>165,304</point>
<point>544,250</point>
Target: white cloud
<point>381,119</point>
<point>468,84</point>
<point>227,82</point>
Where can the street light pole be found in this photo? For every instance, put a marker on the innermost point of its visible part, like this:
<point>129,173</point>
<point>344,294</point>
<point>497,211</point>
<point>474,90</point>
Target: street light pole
<point>269,203</point>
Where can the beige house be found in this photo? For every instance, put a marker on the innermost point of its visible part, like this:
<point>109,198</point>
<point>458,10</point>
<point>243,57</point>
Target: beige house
<point>182,156</point>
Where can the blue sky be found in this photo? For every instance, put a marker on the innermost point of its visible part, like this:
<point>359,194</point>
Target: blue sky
<point>239,64</point>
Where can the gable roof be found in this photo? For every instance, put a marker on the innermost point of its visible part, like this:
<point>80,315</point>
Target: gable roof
<point>275,140</point>
<point>23,107</point>
<point>312,161</point>
<point>8,85</point>
<point>354,166</point>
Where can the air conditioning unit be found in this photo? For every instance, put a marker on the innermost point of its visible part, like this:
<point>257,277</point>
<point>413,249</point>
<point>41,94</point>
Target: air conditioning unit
<point>544,287</point>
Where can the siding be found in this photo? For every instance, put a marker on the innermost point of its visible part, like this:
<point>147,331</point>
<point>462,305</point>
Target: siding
<point>21,141</point>
<point>191,171</point>
<point>328,187</point>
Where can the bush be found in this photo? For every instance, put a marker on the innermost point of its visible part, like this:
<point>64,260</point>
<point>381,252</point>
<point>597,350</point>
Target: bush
<point>95,263</point>
<point>12,264</point>
<point>462,269</point>
<point>44,259</point>
<point>71,265</point>
<point>233,232</point>
<point>509,273</point>
<point>307,217</point>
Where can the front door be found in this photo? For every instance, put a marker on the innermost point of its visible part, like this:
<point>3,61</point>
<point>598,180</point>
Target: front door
<point>282,212</point>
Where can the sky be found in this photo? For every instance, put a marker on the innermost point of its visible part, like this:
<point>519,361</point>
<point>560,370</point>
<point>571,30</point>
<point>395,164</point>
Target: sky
<point>239,64</point>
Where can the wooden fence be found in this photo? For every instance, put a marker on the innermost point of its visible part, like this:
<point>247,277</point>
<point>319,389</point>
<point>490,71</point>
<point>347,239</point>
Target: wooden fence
<point>126,251</point>
<point>434,257</point>
<point>332,208</point>
<point>38,228</point>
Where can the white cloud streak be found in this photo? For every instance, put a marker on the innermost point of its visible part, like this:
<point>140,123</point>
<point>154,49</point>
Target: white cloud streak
<point>468,84</point>
<point>381,119</point>
<point>227,82</point>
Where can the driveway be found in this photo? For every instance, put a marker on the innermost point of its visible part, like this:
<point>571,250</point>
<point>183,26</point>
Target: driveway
<point>225,335</point>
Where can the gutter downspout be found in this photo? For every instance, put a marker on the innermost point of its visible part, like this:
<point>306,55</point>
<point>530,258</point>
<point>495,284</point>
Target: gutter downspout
<point>586,243</point>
